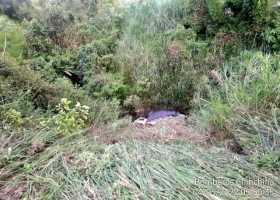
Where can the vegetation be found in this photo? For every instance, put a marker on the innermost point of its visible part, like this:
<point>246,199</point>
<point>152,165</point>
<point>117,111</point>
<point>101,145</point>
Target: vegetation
<point>73,70</point>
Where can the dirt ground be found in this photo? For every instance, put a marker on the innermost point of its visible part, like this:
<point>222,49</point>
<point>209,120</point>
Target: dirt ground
<point>165,129</point>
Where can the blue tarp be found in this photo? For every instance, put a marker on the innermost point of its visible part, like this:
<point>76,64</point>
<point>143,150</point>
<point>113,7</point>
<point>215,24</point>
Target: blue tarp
<point>160,114</point>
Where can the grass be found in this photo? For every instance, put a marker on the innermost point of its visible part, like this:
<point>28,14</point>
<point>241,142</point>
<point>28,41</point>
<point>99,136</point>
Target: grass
<point>149,48</point>
<point>246,104</point>
<point>14,36</point>
<point>79,167</point>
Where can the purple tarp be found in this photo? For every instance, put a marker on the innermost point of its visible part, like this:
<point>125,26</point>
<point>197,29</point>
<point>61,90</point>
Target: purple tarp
<point>160,114</point>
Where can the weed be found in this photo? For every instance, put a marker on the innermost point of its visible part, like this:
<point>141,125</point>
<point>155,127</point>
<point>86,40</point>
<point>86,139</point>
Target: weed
<point>69,118</point>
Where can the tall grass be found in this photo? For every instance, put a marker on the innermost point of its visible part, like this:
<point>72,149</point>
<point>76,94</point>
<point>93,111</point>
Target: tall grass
<point>76,167</point>
<point>156,49</point>
<point>247,104</point>
<point>13,35</point>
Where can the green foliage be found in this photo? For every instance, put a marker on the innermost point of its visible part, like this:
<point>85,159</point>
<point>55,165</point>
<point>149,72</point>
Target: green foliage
<point>69,118</point>
<point>53,30</point>
<point>80,64</point>
<point>27,90</point>
<point>27,168</point>
<point>261,11</point>
<point>104,111</point>
<point>250,82</point>
<point>272,32</point>
<point>107,62</point>
<point>22,78</point>
<point>12,35</point>
<point>269,161</point>
<point>216,9</point>
<point>218,115</point>
<point>254,82</point>
<point>163,54</point>
<point>37,40</point>
<point>116,58</point>
<point>45,68</point>
<point>12,118</point>
<point>247,19</point>
<point>55,21</point>
<point>108,86</point>
<point>247,103</point>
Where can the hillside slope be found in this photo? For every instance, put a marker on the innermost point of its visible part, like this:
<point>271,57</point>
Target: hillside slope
<point>76,74</point>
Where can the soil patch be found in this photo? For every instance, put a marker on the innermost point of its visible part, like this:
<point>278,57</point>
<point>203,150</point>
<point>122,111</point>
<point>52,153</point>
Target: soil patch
<point>166,129</point>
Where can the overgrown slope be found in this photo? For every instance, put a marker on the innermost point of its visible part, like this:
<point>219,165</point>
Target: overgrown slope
<point>71,71</point>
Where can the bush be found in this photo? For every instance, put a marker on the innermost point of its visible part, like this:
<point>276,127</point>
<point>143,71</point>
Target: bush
<point>38,42</point>
<point>18,78</point>
<point>12,34</point>
<point>78,65</point>
<point>69,118</point>
<point>216,9</point>
<point>254,82</point>
<point>271,34</point>
<point>247,102</point>
<point>45,68</point>
<point>12,118</point>
<point>51,30</point>
<point>164,55</point>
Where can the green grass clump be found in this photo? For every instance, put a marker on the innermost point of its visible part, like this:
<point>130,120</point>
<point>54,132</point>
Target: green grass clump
<point>247,103</point>
<point>269,161</point>
<point>13,35</point>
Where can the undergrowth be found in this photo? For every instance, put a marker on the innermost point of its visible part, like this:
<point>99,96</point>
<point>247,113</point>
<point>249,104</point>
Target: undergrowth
<point>69,69</point>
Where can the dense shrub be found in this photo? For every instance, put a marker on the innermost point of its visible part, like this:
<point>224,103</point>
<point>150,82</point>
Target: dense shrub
<point>216,9</point>
<point>256,83</point>
<point>247,103</point>
<point>78,65</point>
<point>37,40</point>
<point>11,118</point>
<point>70,118</point>
<point>21,80</point>
<point>12,38</point>
<point>272,32</point>
<point>53,28</point>
<point>245,19</point>
<point>163,54</point>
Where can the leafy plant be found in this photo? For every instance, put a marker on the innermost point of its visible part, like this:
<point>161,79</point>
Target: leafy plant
<point>69,118</point>
<point>38,42</point>
<point>13,118</point>
<point>216,9</point>
<point>12,38</point>
<point>271,34</point>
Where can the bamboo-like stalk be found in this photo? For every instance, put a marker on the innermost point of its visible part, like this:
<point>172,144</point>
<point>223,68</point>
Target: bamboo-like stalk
<point>5,46</point>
